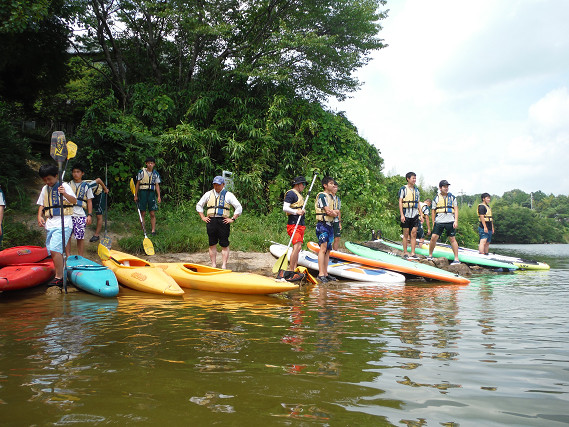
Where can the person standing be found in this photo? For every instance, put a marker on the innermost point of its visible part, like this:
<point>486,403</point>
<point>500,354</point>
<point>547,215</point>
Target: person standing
<point>486,226</point>
<point>445,218</point>
<point>337,223</point>
<point>48,206</point>
<point>84,197</point>
<point>425,208</point>
<point>409,213</point>
<point>324,230</point>
<point>293,207</point>
<point>217,203</point>
<point>147,191</point>
<point>100,195</point>
<point>2,208</point>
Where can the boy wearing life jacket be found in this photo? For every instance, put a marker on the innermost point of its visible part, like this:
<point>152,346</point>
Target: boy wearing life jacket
<point>2,207</point>
<point>425,208</point>
<point>50,208</point>
<point>84,197</point>
<point>147,191</point>
<point>409,213</point>
<point>324,230</point>
<point>445,217</point>
<point>486,225</point>
<point>292,206</point>
<point>217,203</point>
<point>100,193</point>
<point>337,224</point>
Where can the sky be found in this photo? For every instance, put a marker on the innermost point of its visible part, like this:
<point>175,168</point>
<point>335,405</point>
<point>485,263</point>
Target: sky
<point>476,93</point>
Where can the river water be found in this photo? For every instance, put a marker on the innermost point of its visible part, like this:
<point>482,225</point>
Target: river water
<point>493,353</point>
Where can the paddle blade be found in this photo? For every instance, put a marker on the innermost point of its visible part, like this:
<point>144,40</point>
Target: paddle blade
<point>106,242</point>
<point>282,263</point>
<point>309,277</point>
<point>71,149</point>
<point>58,148</point>
<point>103,252</point>
<point>148,246</point>
<point>132,188</point>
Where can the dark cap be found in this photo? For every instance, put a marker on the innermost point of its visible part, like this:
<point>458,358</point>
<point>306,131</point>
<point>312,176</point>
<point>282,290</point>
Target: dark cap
<point>150,159</point>
<point>443,182</point>
<point>299,180</point>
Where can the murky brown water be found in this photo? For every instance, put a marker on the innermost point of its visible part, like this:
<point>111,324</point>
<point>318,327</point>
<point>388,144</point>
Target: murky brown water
<point>495,352</point>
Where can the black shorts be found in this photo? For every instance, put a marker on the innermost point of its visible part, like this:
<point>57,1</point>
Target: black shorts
<point>218,232</point>
<point>411,223</point>
<point>439,228</point>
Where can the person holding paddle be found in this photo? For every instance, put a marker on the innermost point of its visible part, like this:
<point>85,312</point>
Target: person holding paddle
<point>100,194</point>
<point>293,207</point>
<point>147,191</point>
<point>49,206</point>
<point>217,203</point>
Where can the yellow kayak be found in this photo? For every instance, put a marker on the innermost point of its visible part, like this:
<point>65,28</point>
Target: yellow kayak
<point>196,276</point>
<point>140,275</point>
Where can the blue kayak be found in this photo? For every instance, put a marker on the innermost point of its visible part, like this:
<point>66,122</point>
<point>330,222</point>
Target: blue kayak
<point>92,277</point>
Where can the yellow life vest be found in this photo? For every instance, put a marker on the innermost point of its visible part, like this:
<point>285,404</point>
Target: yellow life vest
<point>217,205</point>
<point>410,198</point>
<point>321,213</point>
<point>51,206</point>
<point>80,190</point>
<point>488,214</point>
<point>299,203</point>
<point>148,181</point>
<point>445,204</point>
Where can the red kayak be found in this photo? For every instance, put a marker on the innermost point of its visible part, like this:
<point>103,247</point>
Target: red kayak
<point>22,255</point>
<point>23,276</point>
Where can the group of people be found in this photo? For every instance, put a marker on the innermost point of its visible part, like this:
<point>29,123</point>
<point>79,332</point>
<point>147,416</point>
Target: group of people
<point>82,198</point>
<point>444,218</point>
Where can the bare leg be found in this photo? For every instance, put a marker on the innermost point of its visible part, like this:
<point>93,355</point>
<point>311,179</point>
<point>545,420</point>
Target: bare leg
<point>405,240</point>
<point>413,240</point>
<point>213,255</point>
<point>224,257</point>
<point>294,256</point>
<point>336,244</point>
<point>432,243</point>
<point>482,246</point>
<point>153,220</point>
<point>99,225</point>
<point>454,245</point>
<point>58,264</point>
<point>323,257</point>
<point>80,247</point>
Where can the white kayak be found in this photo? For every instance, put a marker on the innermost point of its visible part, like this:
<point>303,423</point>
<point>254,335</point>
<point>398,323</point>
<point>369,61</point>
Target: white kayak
<point>344,269</point>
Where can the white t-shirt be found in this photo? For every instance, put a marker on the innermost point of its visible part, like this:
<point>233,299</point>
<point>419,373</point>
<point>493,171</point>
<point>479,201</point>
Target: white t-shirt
<point>56,220</point>
<point>2,200</point>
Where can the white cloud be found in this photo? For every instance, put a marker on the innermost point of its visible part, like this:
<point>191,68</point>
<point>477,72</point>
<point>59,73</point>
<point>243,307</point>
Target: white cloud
<point>475,93</point>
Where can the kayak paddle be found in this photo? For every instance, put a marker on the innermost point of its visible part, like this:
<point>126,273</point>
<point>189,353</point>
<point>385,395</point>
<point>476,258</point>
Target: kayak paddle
<point>146,243</point>
<point>106,242</point>
<point>59,152</point>
<point>282,262</point>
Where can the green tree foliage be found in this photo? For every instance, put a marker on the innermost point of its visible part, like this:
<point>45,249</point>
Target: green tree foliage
<point>33,49</point>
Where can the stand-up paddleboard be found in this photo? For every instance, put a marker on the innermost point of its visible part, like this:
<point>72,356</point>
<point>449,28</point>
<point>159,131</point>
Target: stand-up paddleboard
<point>522,264</point>
<point>341,268</point>
<point>468,258</point>
<point>376,258</point>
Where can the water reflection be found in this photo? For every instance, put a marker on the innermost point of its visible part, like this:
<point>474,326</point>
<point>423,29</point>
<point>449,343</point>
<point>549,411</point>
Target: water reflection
<point>344,354</point>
